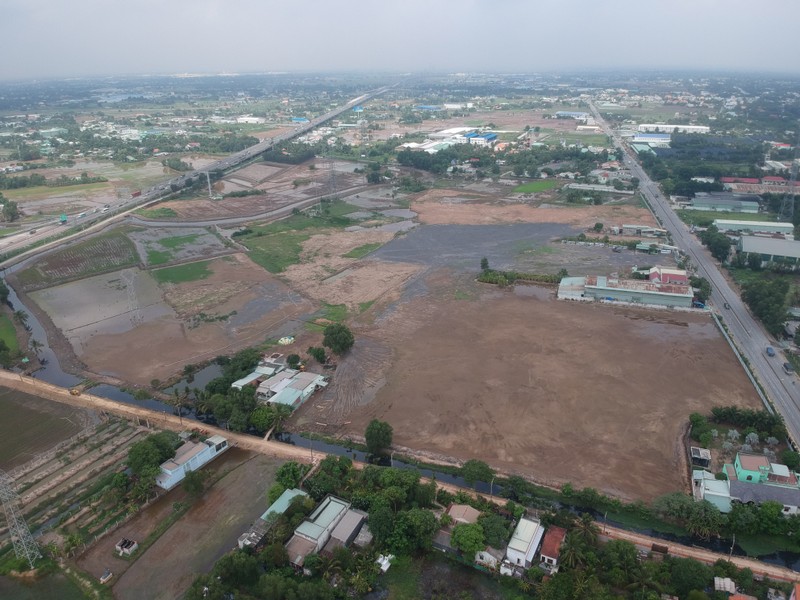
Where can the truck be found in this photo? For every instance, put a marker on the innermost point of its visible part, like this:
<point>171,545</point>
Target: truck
<point>136,194</point>
<point>62,220</point>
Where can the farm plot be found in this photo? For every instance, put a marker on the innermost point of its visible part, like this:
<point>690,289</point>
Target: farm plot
<point>99,254</point>
<point>162,246</point>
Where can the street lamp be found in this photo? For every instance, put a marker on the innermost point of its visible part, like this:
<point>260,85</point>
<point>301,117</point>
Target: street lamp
<point>391,459</point>
<point>491,488</point>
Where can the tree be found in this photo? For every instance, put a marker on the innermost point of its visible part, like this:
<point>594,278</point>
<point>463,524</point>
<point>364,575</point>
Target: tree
<point>484,264</point>
<point>587,529</point>
<point>262,418</point>
<point>21,317</point>
<point>10,211</point>
<point>292,361</point>
<point>317,353</point>
<point>378,436</point>
<point>338,338</point>
<point>791,459</point>
<point>476,470</point>
<point>194,483</point>
<point>289,474</point>
<point>374,177</point>
<point>36,346</point>
<point>468,538</point>
<point>752,438</point>
<point>598,227</point>
<point>705,520</point>
<point>687,575</point>
<point>495,529</point>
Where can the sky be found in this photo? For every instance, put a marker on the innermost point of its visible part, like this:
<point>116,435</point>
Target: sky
<point>67,38</point>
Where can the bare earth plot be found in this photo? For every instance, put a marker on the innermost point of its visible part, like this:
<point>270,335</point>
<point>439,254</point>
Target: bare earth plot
<point>209,530</point>
<point>115,321</point>
<point>561,392</point>
<point>158,246</point>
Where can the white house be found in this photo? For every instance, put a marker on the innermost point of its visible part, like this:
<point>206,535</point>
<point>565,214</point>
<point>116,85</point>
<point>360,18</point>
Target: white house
<point>190,457</point>
<point>524,543</point>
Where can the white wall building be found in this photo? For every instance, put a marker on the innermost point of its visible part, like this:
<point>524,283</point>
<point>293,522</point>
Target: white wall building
<point>664,128</point>
<point>524,543</point>
<point>190,457</point>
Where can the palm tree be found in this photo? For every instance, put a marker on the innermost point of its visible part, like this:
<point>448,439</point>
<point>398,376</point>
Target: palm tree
<point>179,401</point>
<point>587,529</point>
<point>21,317</point>
<point>36,346</point>
<point>643,581</point>
<point>571,554</point>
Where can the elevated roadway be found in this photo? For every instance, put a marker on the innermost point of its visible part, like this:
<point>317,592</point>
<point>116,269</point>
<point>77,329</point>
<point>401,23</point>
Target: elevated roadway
<point>748,334</point>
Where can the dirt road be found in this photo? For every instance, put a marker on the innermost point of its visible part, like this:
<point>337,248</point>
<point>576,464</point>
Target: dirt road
<point>288,452</point>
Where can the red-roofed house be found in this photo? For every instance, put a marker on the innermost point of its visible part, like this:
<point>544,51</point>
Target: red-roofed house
<point>773,180</point>
<point>666,275</point>
<point>752,180</point>
<point>795,592</point>
<point>551,546</point>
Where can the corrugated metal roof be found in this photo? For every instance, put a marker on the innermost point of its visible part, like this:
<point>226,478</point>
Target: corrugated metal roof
<point>771,246</point>
<point>524,535</point>
<point>282,503</point>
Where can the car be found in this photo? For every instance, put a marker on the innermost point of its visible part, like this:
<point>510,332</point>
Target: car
<point>787,368</point>
<point>726,305</point>
<point>770,351</point>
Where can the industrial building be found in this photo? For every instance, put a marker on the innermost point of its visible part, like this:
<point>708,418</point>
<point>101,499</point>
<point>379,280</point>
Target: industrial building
<point>570,114</point>
<point>777,250</point>
<point>635,291</point>
<point>189,457</point>
<point>752,478</point>
<point>664,128</point>
<point>725,225</point>
<point>654,140</point>
<point>725,201</point>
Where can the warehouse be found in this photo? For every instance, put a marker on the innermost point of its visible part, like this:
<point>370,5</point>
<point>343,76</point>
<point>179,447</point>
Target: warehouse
<point>725,225</point>
<point>664,128</point>
<point>725,202</point>
<point>599,287</point>
<point>772,250</point>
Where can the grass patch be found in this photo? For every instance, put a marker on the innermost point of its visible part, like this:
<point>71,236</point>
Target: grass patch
<point>276,252</point>
<point>178,241</point>
<point>161,212</point>
<point>759,545</point>
<point>335,313</point>
<point>183,273</point>
<point>462,295</point>
<point>402,579</point>
<point>8,334</point>
<point>535,186</point>
<point>362,251</point>
<point>365,306</point>
<point>704,217</point>
<point>44,191</point>
<point>157,257</point>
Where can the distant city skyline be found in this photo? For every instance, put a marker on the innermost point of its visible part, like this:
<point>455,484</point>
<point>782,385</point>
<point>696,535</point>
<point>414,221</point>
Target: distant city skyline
<point>54,39</point>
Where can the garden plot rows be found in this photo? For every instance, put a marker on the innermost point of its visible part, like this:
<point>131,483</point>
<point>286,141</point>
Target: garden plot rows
<point>71,488</point>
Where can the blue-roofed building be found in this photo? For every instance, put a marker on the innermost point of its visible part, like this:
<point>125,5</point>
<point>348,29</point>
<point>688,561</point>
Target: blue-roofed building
<point>428,107</point>
<point>299,120</point>
<point>315,531</point>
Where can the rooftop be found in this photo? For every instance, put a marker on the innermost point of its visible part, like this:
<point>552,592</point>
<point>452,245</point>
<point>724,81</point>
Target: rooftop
<point>524,536</point>
<point>552,541</point>
<point>282,503</point>
<point>298,548</point>
<point>762,492</point>
<point>183,455</point>
<point>753,462</point>
<point>463,513</point>
<point>323,516</point>
<point>348,526</point>
<point>771,246</point>
<point>636,285</point>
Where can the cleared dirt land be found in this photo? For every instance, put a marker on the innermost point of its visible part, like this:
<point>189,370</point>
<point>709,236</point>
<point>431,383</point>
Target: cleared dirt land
<point>562,392</point>
<point>200,537</point>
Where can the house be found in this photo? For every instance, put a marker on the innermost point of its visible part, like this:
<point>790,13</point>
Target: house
<point>524,543</point>
<point>258,530</point>
<point>665,275</point>
<point>463,514</point>
<point>489,557</point>
<point>189,457</point>
<point>551,547</point>
<point>313,533</point>
<point>346,531</point>
<point>701,457</point>
<point>707,487</point>
<point>290,388</point>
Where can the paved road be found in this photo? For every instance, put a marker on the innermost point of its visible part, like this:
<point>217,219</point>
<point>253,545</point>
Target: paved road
<point>748,334</point>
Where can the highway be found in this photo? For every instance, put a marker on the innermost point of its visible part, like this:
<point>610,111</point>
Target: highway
<point>747,333</point>
<point>52,228</point>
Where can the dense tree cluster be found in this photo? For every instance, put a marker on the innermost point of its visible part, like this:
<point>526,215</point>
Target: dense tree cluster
<point>717,243</point>
<point>768,301</point>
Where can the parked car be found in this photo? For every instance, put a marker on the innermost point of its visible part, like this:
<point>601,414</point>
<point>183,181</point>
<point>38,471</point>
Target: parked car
<point>770,351</point>
<point>787,368</point>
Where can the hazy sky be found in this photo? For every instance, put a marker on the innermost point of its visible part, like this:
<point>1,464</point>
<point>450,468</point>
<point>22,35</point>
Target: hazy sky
<point>61,38</point>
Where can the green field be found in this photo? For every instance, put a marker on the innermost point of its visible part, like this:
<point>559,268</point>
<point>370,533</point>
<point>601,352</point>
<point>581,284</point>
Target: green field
<point>158,257</point>
<point>335,313</point>
<point>99,254</point>
<point>183,273</point>
<point>161,212</point>
<point>535,186</point>
<point>8,334</point>
<point>362,251</point>
<point>178,241</point>
<point>43,191</point>
<point>278,245</point>
<point>704,217</point>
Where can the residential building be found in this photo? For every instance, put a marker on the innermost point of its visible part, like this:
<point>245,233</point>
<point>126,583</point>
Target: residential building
<point>345,531</point>
<point>463,514</point>
<point>752,478</point>
<point>489,557</point>
<point>290,388</point>
<point>749,227</point>
<point>701,457</point>
<point>313,533</point>
<point>524,543</point>
<point>551,548</point>
<point>777,250</point>
<point>666,275</point>
<point>189,457</point>
<point>258,530</point>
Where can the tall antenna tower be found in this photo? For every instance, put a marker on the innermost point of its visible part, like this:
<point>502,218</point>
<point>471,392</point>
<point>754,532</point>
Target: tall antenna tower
<point>24,544</point>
